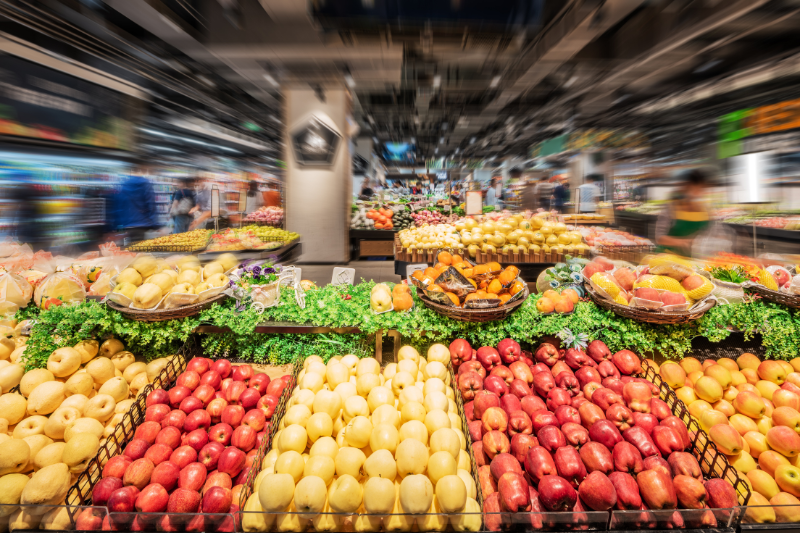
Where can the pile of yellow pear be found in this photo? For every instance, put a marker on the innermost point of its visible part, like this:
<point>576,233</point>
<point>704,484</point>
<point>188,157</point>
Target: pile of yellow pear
<point>363,447</point>
<point>751,411</point>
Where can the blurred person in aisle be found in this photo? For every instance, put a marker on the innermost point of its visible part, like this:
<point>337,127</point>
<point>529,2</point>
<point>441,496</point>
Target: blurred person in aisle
<point>135,206</point>
<point>254,198</point>
<point>588,194</point>
<point>544,190</point>
<point>492,198</point>
<point>366,190</point>
<point>183,201</point>
<point>685,216</point>
<point>456,196</point>
<point>25,199</point>
<point>415,190</point>
<point>561,195</point>
<point>398,189</point>
<point>529,199</point>
<point>202,208</point>
<point>272,197</point>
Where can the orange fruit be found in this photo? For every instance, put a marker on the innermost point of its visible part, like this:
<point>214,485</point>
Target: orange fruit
<point>456,259</point>
<point>506,277</point>
<point>440,266</point>
<point>468,272</point>
<point>471,296</point>
<point>482,294</point>
<point>504,297</point>
<point>494,267</point>
<point>495,287</point>
<point>480,269</point>
<point>515,287</point>
<point>454,299</point>
<point>426,280</point>
<point>513,269</point>
<point>430,271</point>
<point>484,284</point>
<point>445,257</point>
<point>418,274</point>
<point>434,288</point>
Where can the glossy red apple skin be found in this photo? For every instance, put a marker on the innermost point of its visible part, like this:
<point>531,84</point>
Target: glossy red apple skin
<point>484,400</point>
<point>493,510</point>
<point>157,396</point>
<point>212,379</point>
<point>598,351</point>
<point>175,418</point>
<point>199,365</point>
<point>232,415</point>
<point>569,465</point>
<point>519,423</point>
<point>577,358</point>
<point>510,404</point>
<point>551,438</point>
<point>231,461</point>
<point>606,433</point>
<point>647,421</point>
<point>558,397</point>
<point>136,449</point>
<point>222,367</point>
<point>531,404</point>
<point>660,409</point>
<point>255,419</point>
<point>183,456</point>
<point>158,453</point>
<point>657,490</point>
<point>494,443</point>
<point>556,494</point>
<point>157,412</point>
<point>627,458</point>
<point>597,457</point>
<point>190,404</point>
<point>221,433</point>
<point>460,352</point>
<point>170,435</point>
<point>590,414</point>
<point>268,404</point>
<point>215,408</point>
<point>521,371</point>
<point>720,494</point>
<point>495,384</point>
<point>605,398</point>
<point>539,463</point>
<point>667,440</point>
<point>206,393</point>
<point>116,466</point>
<point>679,427</point>
<point>575,434</point>
<point>218,479</point>
<point>521,443</point>
<point>569,383</point>
<point>588,374</point>
<point>469,383</point>
<point>684,464</point>
<point>504,462</point>
<point>189,379</point>
<point>547,353</point>
<point>614,384</point>
<point>509,350</point>
<point>259,382</point>
<point>242,373</point>
<point>597,492</point>
<point>475,428</point>
<point>138,473</point>
<point>147,431</point>
<point>123,500</point>
<point>473,366</point>
<point>196,439</point>
<point>177,394</point>
<point>166,474</point>
<point>90,519</point>
<point>656,462</point>
<point>184,501</point>
<point>249,398</point>
<point>542,418</point>
<point>488,357</point>
<point>199,419</point>
<point>543,382</point>
<point>627,362</point>
<point>621,416</point>
<point>608,370</point>
<point>481,459</point>
<point>513,490</point>
<point>628,497</point>
<point>103,490</point>
<point>192,476</point>
<point>210,453</point>
<point>244,438</point>
<point>639,437</point>
<point>152,499</point>
<point>234,391</point>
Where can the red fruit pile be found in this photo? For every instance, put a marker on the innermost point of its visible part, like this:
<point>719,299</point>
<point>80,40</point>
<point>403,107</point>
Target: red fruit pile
<point>572,430</point>
<point>195,448</point>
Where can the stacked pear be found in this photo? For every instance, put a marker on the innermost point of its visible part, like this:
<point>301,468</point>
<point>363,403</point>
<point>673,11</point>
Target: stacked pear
<point>751,411</point>
<point>385,446</point>
<point>54,424</point>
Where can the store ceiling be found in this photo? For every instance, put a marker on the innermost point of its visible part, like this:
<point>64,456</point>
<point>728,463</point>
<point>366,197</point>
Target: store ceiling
<point>485,84</point>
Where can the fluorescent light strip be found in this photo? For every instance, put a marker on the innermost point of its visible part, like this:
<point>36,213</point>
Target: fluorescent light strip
<point>188,140</point>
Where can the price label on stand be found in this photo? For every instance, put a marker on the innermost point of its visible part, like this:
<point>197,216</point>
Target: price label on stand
<point>474,203</point>
<point>215,202</point>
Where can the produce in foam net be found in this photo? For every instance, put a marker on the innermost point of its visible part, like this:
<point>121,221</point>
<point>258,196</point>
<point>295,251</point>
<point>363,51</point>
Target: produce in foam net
<point>54,424</point>
<point>551,433</point>
<point>751,411</point>
<point>358,439</point>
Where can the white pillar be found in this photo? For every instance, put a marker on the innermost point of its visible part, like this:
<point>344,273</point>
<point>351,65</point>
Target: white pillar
<point>318,196</point>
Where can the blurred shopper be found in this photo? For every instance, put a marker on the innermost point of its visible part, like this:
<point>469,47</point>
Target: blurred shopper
<point>530,199</point>
<point>491,194</point>
<point>254,198</point>
<point>26,224</point>
<point>561,195</point>
<point>415,190</point>
<point>366,190</point>
<point>272,197</point>
<point>135,207</point>
<point>183,201</point>
<point>202,209</point>
<point>588,195</point>
<point>685,217</point>
<point>545,193</point>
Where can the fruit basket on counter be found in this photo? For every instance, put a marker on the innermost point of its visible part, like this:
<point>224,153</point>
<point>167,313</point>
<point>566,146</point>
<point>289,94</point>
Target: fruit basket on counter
<point>466,292</point>
<point>188,242</point>
<point>777,284</point>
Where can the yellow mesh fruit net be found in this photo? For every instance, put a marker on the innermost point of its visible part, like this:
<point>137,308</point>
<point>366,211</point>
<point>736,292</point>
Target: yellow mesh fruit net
<point>603,280</point>
<point>766,279</point>
<point>660,282</point>
<point>620,299</point>
<point>702,291</point>
<point>665,259</point>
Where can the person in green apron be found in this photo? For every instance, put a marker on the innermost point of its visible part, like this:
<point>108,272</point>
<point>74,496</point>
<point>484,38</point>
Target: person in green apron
<point>685,218</point>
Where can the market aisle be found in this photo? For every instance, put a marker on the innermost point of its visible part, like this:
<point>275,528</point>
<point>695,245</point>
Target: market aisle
<point>377,271</point>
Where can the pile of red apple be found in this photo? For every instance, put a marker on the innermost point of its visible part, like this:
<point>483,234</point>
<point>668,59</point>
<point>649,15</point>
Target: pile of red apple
<point>192,453</point>
<point>573,430</point>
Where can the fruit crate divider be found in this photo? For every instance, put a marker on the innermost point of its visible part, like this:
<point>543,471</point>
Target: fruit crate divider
<point>266,443</point>
<point>465,429</point>
<point>80,492</point>
<point>712,461</point>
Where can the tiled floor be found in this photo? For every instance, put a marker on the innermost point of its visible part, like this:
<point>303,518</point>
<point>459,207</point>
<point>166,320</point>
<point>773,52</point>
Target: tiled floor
<point>378,271</point>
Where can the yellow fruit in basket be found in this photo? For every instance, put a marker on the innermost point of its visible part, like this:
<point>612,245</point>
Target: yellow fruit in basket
<point>416,494</point>
<point>188,276</point>
<point>147,296</point>
<point>182,288</point>
<point>185,267</point>
<point>379,495</point>
<point>164,281</point>
<point>217,280</point>
<point>212,268</point>
<point>171,273</point>
<point>146,265</point>
<point>228,261</point>
<point>767,279</point>
<point>620,299</point>
<point>200,287</point>
<point>129,275</point>
<point>604,282</point>
<point>697,287</point>
<point>565,238</point>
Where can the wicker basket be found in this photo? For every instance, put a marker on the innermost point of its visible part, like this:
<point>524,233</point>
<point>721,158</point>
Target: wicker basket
<point>472,315</point>
<point>159,315</point>
<point>645,315</point>
<point>783,298</point>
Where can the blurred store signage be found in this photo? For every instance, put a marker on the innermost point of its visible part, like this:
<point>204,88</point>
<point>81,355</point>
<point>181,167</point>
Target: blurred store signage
<point>765,120</point>
<point>590,139</point>
<point>41,103</point>
<point>315,143</point>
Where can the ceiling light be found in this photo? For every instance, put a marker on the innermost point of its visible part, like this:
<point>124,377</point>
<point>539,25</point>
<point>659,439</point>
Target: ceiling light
<point>569,82</point>
<point>348,79</point>
<point>495,81</point>
<point>444,126</point>
<point>413,139</point>
<point>472,141</point>
<point>375,140</point>
<point>707,66</point>
<point>457,150</point>
<point>441,140</point>
<point>436,151</point>
<point>621,99</point>
<point>270,79</point>
<point>437,81</point>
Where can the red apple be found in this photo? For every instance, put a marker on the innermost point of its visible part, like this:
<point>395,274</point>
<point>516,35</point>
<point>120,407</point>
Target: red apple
<point>578,400</point>
<point>123,500</point>
<point>166,474</point>
<point>503,372</point>
<point>596,457</point>
<point>519,388</point>
<point>720,494</point>
<point>175,418</point>
<point>136,449</point>
<point>608,370</point>
<point>556,494</point>
<point>628,497</point>
<point>551,438</point>
<point>212,379</point>
<point>189,379</point>
<point>222,367</point>
<point>90,519</point>
<point>196,439</point>
<point>547,353</point>
<point>606,433</point>
<point>244,438</point>
<point>157,396</point>
<point>473,366</point>
<point>558,397</point>
<point>199,365</point>
<point>199,419</point>
<point>519,423</point>
<point>521,443</point>
<point>475,428</point>
<point>484,400</point>
<point>267,404</point>
<point>216,406</point>
<point>509,351</point>
<point>566,413</point>
<point>541,367</point>
<point>488,357</point>
<point>680,428</point>
<point>255,419</point>
<point>684,464</point>
<point>627,458</point>
<point>598,351</point>
<point>205,393</point>
<point>209,455</point>
<point>569,465</point>
<point>510,404</point>
<point>543,382</point>
<point>481,458</point>
<point>530,404</point>
<point>637,396</point>
<point>621,416</point>
<point>569,383</point>
<point>614,384</point>
<point>657,489</point>
<point>460,352</point>
<point>626,362</point>
<point>588,374</point>
<point>469,383</point>
<point>152,499</point>
<point>667,440</point>
<point>575,434</point>
<point>590,414</point>
<point>183,456</point>
<point>539,463</point>
<point>494,519</point>
<point>234,391</point>
<point>170,435</point>
<point>495,384</point>
<point>590,388</point>
<point>158,453</point>
<point>249,398</point>
<point>559,368</point>
<point>656,462</point>
<point>177,394</point>
<point>504,462</point>
<point>521,371</point>
<point>646,421</point>
<point>597,492</point>
<point>638,436</point>
<point>577,358</point>
<point>469,411</point>
<point>191,403</point>
<point>221,433</point>
<point>157,412</point>
<point>231,461</point>
<point>259,382</point>
<point>192,476</point>
<point>103,490</point>
<point>148,431</point>
<point>233,415</point>
<point>242,373</point>
<point>116,466</point>
<point>138,473</point>
<point>660,409</point>
<point>495,442</point>
<point>184,501</point>
<point>513,490</point>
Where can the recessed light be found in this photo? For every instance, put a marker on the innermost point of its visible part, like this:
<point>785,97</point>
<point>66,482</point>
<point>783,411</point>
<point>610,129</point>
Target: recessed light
<point>437,80</point>
<point>495,81</point>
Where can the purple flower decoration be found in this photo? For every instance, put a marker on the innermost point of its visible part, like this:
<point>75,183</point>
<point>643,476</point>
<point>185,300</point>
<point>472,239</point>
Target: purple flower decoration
<point>269,270</point>
<point>256,271</point>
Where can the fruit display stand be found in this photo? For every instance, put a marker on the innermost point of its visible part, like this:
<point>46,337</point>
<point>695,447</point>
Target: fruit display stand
<point>646,315</point>
<point>371,243</point>
<point>780,297</point>
<point>429,256</point>
<point>285,253</point>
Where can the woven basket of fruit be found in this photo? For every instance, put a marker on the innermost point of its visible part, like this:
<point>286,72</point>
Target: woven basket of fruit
<point>473,315</point>
<point>653,316</point>
<point>190,241</point>
<point>784,298</point>
<point>160,315</point>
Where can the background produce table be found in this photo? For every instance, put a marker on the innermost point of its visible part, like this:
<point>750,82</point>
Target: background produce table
<point>284,254</point>
<point>365,242</point>
<point>527,271</point>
